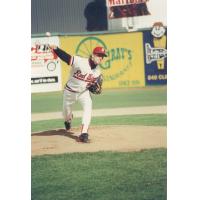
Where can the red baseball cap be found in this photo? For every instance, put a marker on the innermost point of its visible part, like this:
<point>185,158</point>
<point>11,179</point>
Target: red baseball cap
<point>100,51</point>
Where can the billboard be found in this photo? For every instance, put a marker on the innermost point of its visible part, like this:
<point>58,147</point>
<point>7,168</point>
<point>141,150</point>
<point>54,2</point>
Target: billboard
<point>124,66</point>
<point>45,65</point>
<point>155,58</point>
<point>127,8</point>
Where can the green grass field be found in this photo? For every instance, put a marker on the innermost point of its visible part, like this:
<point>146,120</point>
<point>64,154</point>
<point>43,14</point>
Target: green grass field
<point>102,175</point>
<point>51,102</point>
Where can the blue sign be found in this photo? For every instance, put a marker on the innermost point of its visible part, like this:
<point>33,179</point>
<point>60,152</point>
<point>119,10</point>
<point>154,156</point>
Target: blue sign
<point>155,55</point>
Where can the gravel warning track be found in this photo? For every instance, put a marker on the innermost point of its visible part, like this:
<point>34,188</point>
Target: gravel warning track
<point>104,112</point>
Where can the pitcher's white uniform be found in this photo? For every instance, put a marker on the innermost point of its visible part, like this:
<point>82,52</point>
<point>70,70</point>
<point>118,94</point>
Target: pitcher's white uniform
<point>81,76</point>
<point>84,73</point>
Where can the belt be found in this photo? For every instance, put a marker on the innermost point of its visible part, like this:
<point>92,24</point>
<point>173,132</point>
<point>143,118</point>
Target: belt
<point>69,89</point>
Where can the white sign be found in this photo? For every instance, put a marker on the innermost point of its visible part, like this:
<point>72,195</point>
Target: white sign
<point>45,65</point>
<point>154,54</point>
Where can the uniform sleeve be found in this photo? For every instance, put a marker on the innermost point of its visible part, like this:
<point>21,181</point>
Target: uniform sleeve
<point>63,56</point>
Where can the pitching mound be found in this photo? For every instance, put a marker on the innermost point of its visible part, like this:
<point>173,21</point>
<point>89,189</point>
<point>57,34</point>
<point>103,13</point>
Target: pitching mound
<point>102,138</point>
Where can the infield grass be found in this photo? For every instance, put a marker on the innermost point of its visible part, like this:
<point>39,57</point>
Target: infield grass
<point>146,120</point>
<point>100,176</point>
<point>148,96</point>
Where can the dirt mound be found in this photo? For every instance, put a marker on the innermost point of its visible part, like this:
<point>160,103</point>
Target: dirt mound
<point>102,138</point>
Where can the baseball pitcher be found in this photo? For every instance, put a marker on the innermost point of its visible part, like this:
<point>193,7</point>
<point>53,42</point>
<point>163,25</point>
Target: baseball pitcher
<point>85,77</point>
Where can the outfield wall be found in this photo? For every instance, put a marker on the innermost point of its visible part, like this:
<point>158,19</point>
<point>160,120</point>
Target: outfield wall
<point>135,59</point>
<point>124,66</point>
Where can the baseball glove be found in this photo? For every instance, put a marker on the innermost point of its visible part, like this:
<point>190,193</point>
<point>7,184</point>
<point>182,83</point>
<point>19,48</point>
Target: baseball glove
<point>96,87</point>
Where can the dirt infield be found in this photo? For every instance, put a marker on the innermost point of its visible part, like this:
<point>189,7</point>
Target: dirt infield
<point>102,138</point>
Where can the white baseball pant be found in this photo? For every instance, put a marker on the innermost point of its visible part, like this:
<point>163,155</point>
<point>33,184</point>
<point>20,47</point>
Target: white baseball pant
<point>69,98</point>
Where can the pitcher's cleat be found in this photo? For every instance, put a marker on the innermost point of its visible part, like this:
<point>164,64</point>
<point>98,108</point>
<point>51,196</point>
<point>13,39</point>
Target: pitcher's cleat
<point>67,125</point>
<point>83,137</point>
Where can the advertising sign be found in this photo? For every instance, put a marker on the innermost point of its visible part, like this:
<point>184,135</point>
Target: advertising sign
<point>45,66</point>
<point>155,48</point>
<point>124,66</point>
<point>127,8</point>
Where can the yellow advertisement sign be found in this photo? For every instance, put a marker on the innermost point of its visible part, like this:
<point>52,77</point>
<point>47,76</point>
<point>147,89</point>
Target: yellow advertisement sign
<point>124,66</point>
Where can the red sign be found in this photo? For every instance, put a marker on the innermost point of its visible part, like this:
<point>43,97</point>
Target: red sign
<point>127,8</point>
<point>124,2</point>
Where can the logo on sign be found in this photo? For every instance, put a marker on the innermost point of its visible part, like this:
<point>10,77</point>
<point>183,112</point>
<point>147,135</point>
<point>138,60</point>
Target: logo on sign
<point>41,54</point>
<point>115,65</point>
<point>154,54</point>
<point>157,53</point>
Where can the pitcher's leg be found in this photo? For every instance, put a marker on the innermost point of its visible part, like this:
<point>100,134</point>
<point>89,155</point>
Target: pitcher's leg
<point>86,102</point>
<point>68,100</point>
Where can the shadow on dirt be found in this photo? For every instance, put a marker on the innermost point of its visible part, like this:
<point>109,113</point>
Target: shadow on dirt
<point>61,132</point>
